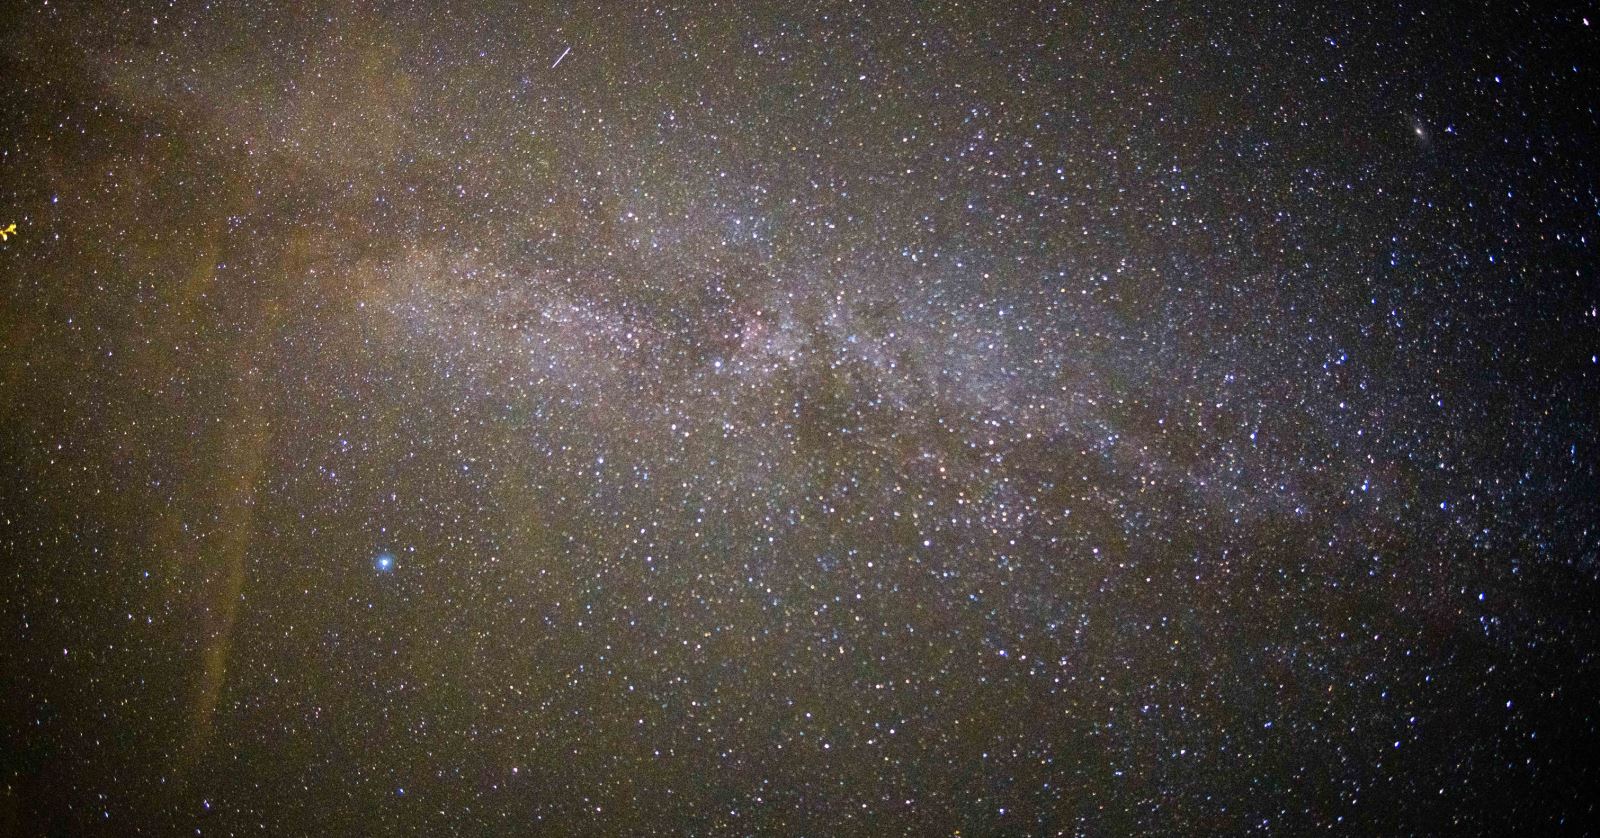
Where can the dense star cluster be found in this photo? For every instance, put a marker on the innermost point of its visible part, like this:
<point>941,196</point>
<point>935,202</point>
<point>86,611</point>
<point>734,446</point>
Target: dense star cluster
<point>817,418</point>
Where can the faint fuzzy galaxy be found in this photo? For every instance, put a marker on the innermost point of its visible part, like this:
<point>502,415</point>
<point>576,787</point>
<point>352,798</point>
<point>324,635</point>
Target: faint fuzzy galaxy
<point>798,418</point>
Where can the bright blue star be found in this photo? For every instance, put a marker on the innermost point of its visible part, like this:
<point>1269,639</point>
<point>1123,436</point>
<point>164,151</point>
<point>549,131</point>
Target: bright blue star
<point>383,562</point>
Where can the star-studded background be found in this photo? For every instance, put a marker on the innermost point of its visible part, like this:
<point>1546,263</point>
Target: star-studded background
<point>792,417</point>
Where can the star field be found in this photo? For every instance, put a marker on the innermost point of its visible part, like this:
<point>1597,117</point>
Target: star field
<point>814,418</point>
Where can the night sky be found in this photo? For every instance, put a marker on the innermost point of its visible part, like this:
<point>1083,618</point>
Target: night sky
<point>813,418</point>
